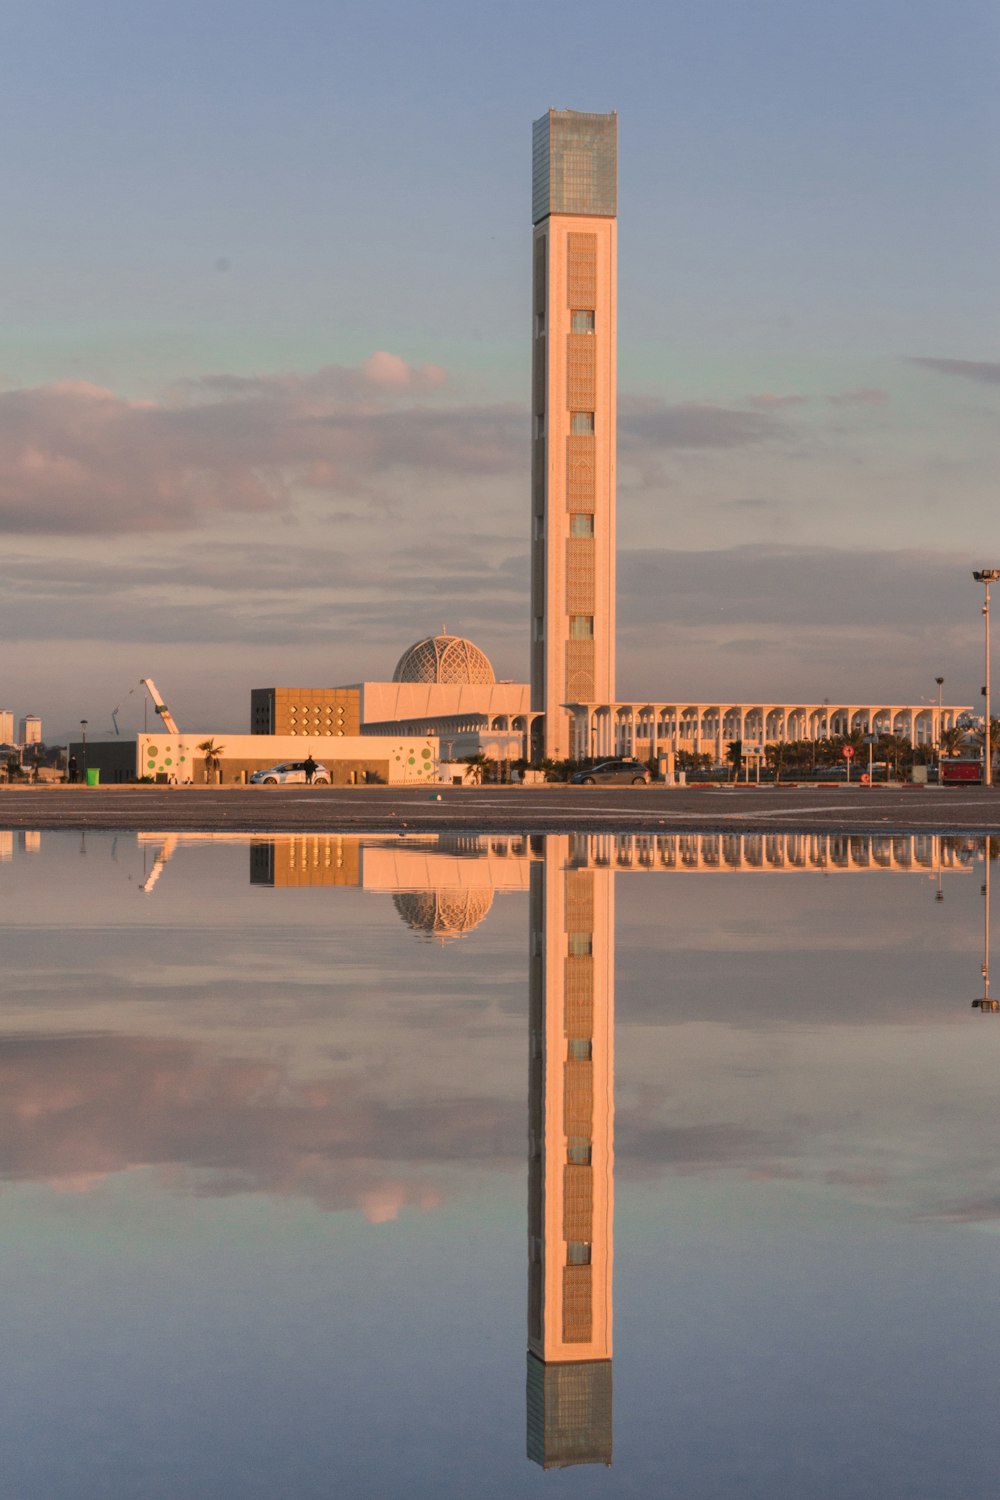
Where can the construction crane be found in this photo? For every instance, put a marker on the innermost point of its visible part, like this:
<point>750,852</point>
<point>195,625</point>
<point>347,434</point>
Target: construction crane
<point>114,711</point>
<point>159,705</point>
<point>163,854</point>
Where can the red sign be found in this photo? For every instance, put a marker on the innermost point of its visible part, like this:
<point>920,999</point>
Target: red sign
<point>848,752</point>
<point>865,778</point>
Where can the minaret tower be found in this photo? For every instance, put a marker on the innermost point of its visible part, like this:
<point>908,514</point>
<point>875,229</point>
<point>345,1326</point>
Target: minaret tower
<point>574,209</point>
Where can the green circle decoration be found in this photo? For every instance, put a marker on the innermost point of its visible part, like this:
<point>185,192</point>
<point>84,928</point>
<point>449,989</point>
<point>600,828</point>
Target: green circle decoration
<point>168,761</point>
<point>426,754</point>
<point>151,764</point>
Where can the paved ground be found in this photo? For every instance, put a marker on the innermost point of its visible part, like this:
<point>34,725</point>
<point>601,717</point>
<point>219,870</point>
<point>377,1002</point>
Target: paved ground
<point>502,808</point>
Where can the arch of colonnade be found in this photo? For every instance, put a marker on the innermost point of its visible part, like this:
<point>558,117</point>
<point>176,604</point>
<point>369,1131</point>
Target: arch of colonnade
<point>927,853</point>
<point>648,729</point>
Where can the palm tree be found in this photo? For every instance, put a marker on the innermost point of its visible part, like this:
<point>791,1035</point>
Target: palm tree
<point>893,747</point>
<point>212,752</point>
<point>994,739</point>
<point>952,741</point>
<point>479,766</point>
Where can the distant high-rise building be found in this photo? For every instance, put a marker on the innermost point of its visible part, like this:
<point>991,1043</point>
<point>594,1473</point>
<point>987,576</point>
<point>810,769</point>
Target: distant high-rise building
<point>6,727</point>
<point>574,211</point>
<point>30,730</point>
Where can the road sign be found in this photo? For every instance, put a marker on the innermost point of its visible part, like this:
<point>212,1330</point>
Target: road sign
<point>848,752</point>
<point>865,779</point>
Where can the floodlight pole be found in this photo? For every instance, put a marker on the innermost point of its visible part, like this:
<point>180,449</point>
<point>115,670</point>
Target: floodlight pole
<point>986,576</point>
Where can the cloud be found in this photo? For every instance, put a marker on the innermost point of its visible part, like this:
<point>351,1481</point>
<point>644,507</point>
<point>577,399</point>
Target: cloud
<point>863,396</point>
<point>767,402</point>
<point>78,459</point>
<point>644,421</point>
<point>986,371</point>
<point>75,458</point>
<point>75,1110</point>
<point>785,585</point>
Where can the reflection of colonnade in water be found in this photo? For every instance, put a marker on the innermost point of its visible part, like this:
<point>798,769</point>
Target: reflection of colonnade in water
<point>437,863</point>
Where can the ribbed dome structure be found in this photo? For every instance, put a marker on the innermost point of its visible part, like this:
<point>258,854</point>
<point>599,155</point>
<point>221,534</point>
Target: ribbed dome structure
<point>443,915</point>
<point>444,659</point>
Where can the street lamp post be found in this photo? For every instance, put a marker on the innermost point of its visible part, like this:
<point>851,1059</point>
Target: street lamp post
<point>985,1003</point>
<point>986,576</point>
<point>83,736</point>
<point>940,685</point>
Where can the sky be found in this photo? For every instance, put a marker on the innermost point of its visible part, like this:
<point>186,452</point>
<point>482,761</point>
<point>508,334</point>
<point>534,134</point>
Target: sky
<point>264,367</point>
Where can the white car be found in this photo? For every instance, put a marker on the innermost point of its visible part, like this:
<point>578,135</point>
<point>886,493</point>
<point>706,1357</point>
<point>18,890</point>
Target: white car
<point>290,772</point>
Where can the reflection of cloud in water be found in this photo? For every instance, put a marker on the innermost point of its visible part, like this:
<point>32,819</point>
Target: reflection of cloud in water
<point>74,1110</point>
<point>442,915</point>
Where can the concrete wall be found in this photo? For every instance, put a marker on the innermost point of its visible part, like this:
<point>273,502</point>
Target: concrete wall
<point>374,758</point>
<point>418,700</point>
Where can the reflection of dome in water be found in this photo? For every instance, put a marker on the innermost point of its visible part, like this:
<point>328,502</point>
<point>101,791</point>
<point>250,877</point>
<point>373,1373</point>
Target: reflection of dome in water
<point>443,914</point>
<point>444,659</point>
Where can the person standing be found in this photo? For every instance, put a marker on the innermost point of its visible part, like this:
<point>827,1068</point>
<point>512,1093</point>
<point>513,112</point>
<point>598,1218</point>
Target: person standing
<point>71,769</point>
<point>309,766</point>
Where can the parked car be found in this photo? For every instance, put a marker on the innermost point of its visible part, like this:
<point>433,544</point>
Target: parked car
<point>290,772</point>
<point>612,772</point>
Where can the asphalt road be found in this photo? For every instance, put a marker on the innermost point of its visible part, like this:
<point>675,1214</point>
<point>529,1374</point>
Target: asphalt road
<point>503,808</point>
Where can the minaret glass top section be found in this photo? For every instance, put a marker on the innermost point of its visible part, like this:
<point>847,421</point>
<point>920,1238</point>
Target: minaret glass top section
<point>575,160</point>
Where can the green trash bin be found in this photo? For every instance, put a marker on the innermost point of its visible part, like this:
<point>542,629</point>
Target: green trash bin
<point>93,775</point>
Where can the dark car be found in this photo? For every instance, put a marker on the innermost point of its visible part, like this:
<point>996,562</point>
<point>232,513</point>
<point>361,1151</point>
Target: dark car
<point>610,772</point>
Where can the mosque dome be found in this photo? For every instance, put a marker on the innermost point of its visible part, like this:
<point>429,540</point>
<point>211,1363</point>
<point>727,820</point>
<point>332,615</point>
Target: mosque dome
<point>443,915</point>
<point>444,659</point>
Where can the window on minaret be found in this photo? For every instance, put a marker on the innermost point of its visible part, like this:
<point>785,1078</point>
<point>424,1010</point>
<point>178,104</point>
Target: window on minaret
<point>581,627</point>
<point>581,523</point>
<point>582,322</point>
<point>581,423</point>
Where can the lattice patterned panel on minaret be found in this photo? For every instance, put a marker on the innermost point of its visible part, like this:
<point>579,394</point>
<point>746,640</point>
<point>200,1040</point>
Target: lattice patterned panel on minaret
<point>580,584</point>
<point>579,672</point>
<point>580,484</point>
<point>579,991</point>
<point>578,1203</point>
<point>579,900</point>
<point>578,1097</point>
<point>581,377</point>
<point>581,279</point>
<point>578,1317</point>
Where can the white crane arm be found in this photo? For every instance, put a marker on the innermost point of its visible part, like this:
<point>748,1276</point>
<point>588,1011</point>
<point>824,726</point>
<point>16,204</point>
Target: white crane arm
<point>159,705</point>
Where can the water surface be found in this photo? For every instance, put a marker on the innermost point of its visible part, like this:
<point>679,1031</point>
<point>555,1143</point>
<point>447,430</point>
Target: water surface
<point>497,1166</point>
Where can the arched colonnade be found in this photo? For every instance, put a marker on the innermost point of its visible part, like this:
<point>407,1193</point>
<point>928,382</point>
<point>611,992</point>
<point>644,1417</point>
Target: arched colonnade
<point>649,729</point>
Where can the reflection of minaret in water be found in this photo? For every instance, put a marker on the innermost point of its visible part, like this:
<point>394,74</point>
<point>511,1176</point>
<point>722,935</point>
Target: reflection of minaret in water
<point>571,1161</point>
